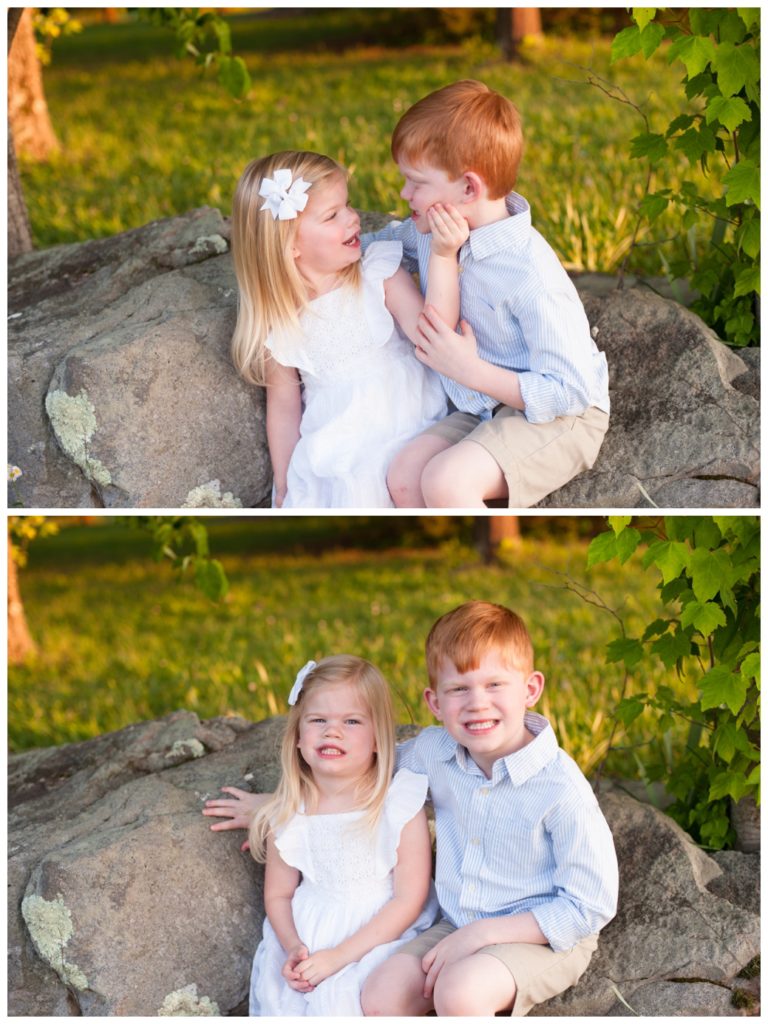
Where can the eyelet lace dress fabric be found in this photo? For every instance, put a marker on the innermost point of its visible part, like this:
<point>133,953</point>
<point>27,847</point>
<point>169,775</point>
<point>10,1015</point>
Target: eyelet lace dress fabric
<point>365,393</point>
<point>346,878</point>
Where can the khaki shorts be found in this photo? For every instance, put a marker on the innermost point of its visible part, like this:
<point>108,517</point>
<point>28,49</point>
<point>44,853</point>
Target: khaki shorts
<point>538,971</point>
<point>535,458</point>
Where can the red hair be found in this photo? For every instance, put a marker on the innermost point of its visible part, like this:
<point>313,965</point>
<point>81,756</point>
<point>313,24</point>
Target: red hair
<point>470,631</point>
<point>464,127</point>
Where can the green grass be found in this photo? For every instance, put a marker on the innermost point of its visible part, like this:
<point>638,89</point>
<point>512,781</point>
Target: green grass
<point>144,135</point>
<point>122,639</point>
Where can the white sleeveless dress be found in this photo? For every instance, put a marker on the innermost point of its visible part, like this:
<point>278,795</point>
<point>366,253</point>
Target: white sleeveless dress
<point>365,393</point>
<point>346,878</point>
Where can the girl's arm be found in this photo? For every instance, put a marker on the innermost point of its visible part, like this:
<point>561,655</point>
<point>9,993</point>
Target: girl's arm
<point>280,883</point>
<point>403,298</point>
<point>411,886</point>
<point>283,419</point>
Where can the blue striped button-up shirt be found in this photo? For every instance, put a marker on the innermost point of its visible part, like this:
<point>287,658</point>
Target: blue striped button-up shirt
<point>525,312</point>
<point>530,838</point>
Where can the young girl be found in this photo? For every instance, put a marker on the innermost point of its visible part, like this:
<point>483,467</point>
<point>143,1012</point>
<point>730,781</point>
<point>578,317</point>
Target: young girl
<point>347,849</point>
<point>345,390</point>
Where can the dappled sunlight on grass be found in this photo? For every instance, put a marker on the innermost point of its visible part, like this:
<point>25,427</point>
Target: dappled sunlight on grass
<point>180,142</point>
<point>121,642</point>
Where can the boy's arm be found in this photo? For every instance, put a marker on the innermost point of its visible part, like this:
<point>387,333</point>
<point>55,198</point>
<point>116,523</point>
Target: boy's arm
<point>240,810</point>
<point>411,887</point>
<point>449,231</point>
<point>283,419</point>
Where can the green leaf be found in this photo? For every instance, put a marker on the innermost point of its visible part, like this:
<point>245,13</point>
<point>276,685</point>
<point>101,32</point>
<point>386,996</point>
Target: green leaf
<point>653,205</point>
<point>695,52</point>
<point>626,43</point>
<point>601,549</point>
<point>233,75</point>
<point>725,739</point>
<point>211,578</point>
<point>628,709</point>
<point>749,15</point>
<point>696,142</point>
<point>671,647</point>
<point>670,556</point>
<point>742,183</point>
<point>618,523</point>
<point>625,649</point>
<point>730,112</point>
<point>650,145</point>
<point>643,15</point>
<point>728,784</point>
<point>735,67</point>
<point>626,543</point>
<point>704,617</point>
<point>748,237</point>
<point>708,570</point>
<point>651,38</point>
<point>750,668</point>
<point>721,686</point>
<point>747,281</point>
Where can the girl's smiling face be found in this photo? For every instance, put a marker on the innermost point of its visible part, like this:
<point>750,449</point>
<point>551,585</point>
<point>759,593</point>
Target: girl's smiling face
<point>336,736</point>
<point>328,233</point>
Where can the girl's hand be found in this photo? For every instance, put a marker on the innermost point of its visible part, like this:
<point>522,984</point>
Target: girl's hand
<point>321,965</point>
<point>448,228</point>
<point>240,810</point>
<point>289,972</point>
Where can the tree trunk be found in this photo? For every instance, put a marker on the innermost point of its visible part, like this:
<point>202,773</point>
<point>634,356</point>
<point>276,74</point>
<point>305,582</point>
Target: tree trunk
<point>30,121</point>
<point>20,643</point>
<point>29,124</point>
<point>513,24</point>
<point>492,531</point>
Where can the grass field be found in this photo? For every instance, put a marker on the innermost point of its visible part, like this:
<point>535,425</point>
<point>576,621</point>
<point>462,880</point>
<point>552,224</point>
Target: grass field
<point>143,135</point>
<point>122,639</point>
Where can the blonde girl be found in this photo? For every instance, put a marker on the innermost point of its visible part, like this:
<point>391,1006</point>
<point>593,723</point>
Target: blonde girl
<point>346,846</point>
<point>326,330</point>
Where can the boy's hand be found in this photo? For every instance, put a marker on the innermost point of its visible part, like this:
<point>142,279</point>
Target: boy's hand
<point>448,228</point>
<point>453,947</point>
<point>240,810</point>
<point>441,348</point>
<point>289,971</point>
<point>320,965</point>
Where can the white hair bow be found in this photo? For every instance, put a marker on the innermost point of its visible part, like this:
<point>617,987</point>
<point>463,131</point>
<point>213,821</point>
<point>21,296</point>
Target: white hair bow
<point>284,200</point>
<point>301,675</point>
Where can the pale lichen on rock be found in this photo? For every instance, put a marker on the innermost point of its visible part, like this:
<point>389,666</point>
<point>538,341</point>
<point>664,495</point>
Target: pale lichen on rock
<point>210,243</point>
<point>185,1002</point>
<point>209,496</point>
<point>73,419</point>
<point>50,926</point>
<point>183,747</point>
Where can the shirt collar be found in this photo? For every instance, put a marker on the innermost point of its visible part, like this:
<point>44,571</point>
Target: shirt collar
<point>520,766</point>
<point>511,232</point>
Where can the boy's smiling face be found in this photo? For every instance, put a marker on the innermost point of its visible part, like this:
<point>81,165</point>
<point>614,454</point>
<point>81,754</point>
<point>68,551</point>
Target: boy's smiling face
<point>484,708</point>
<point>424,186</point>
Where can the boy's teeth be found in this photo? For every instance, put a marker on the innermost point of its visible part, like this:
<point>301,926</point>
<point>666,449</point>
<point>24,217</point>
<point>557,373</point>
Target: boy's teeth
<point>480,726</point>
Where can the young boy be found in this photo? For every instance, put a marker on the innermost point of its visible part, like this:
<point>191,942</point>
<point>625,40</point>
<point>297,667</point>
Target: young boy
<point>526,871</point>
<point>528,383</point>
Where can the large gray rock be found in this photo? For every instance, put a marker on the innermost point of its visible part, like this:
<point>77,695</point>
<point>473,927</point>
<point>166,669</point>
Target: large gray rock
<point>123,902</point>
<point>121,389</point>
<point>122,393</point>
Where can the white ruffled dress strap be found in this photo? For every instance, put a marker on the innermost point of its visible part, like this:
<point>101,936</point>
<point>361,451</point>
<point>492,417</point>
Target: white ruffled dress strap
<point>381,260</point>
<point>405,798</point>
<point>293,845</point>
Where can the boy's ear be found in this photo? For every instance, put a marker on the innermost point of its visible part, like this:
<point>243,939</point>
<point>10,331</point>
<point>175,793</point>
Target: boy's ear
<point>473,186</point>
<point>534,685</point>
<point>430,696</point>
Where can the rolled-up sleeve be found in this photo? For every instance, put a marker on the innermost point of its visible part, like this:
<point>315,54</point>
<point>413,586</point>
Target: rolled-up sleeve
<point>586,879</point>
<point>559,378</point>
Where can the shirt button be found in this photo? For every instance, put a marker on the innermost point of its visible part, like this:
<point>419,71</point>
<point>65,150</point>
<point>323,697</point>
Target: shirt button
<point>461,269</point>
<point>475,841</point>
<point>483,791</point>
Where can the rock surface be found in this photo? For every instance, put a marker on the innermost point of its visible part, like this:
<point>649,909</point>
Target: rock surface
<point>122,394</point>
<point>123,902</point>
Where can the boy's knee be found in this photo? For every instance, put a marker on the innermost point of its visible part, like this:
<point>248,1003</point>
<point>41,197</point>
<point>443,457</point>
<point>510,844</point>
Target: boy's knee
<point>394,989</point>
<point>440,486</point>
<point>478,986</point>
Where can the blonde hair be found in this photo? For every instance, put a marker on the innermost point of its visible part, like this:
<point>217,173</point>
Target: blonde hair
<point>297,786</point>
<point>271,291</point>
<point>466,634</point>
<point>464,127</point>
